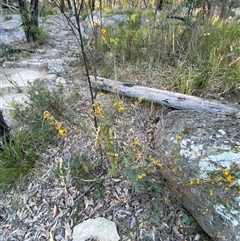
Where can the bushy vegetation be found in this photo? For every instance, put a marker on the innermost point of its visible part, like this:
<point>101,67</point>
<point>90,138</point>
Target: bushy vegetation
<point>200,56</point>
<point>191,57</point>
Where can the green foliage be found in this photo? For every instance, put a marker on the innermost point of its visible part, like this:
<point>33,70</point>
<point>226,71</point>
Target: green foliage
<point>128,40</point>
<point>42,36</point>
<point>33,133</point>
<point>83,172</point>
<point>40,99</point>
<point>203,54</point>
<point>19,156</point>
<point>46,10</point>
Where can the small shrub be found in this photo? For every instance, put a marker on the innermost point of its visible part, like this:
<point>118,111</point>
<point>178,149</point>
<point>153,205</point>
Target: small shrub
<point>85,173</point>
<point>40,99</point>
<point>34,132</point>
<point>19,156</point>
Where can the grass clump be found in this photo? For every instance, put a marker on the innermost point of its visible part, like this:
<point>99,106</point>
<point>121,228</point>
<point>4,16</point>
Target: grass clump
<point>40,99</point>
<point>20,154</point>
<point>36,130</point>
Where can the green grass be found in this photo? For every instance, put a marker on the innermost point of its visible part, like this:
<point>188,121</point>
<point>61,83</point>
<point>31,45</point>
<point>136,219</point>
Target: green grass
<point>19,156</point>
<point>32,133</point>
<point>201,56</point>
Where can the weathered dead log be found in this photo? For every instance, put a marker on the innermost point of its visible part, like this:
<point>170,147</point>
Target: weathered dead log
<point>166,98</point>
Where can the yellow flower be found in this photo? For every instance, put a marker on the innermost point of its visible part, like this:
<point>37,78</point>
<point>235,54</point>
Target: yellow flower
<point>95,82</point>
<point>191,182</point>
<point>115,104</point>
<point>229,178</point>
<point>52,122</point>
<point>120,109</point>
<point>99,110</point>
<point>95,104</point>
<point>111,40</point>
<point>58,125</point>
<point>132,105</point>
<point>178,138</point>
<point>195,153</point>
<point>181,225</point>
<point>211,192</point>
<point>226,171</point>
<point>141,176</point>
<point>46,115</point>
<point>103,31</point>
<point>165,199</point>
<point>63,131</point>
<point>133,17</point>
<point>198,181</point>
<point>136,141</point>
<point>140,98</point>
<point>111,54</point>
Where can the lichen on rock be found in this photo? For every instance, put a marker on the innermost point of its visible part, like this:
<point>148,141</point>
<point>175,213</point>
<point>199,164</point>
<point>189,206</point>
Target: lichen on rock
<point>201,159</point>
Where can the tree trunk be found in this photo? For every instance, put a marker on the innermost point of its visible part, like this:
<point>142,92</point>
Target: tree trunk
<point>166,98</point>
<point>4,131</point>
<point>29,17</point>
<point>159,5</point>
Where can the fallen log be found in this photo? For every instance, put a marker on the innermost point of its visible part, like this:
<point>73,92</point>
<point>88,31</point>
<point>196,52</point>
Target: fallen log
<point>166,98</point>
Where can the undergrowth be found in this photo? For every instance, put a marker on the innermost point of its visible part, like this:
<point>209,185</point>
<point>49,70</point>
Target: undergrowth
<point>180,57</point>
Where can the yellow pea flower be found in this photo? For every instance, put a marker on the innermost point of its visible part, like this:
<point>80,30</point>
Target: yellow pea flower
<point>103,31</point>
<point>46,115</point>
<point>111,40</point>
<point>62,131</point>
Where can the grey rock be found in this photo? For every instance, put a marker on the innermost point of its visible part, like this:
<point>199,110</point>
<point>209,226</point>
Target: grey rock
<point>26,64</point>
<point>99,229</point>
<point>51,77</point>
<point>199,155</point>
<point>97,19</point>
<point>10,35</point>
<point>60,81</point>
<point>54,53</point>
<point>40,51</point>
<point>11,24</point>
<point>114,20</point>
<point>237,11</point>
<point>55,67</point>
<point>73,62</point>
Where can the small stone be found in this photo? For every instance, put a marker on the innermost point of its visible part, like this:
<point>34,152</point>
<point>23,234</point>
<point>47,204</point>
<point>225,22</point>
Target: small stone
<point>51,77</point>
<point>99,229</point>
<point>60,81</point>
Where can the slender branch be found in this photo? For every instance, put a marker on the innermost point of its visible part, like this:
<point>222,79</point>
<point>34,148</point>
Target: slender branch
<point>12,8</point>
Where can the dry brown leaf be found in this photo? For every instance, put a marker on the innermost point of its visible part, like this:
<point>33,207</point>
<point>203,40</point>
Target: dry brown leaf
<point>85,168</point>
<point>68,230</point>
<point>87,202</point>
<point>94,210</point>
<point>54,210</point>
<point>6,230</point>
<point>51,236</point>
